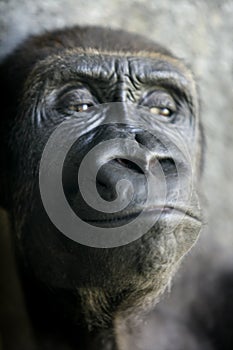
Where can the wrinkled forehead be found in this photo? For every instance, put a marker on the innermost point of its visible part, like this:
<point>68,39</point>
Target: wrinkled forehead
<point>103,63</point>
<point>140,67</point>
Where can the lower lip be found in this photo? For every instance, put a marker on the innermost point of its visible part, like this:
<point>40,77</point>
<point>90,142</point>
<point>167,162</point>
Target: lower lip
<point>147,213</point>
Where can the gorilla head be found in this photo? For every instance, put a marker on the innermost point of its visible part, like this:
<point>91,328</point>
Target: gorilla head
<point>101,154</point>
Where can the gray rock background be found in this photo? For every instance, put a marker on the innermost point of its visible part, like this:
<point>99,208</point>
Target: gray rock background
<point>201,32</point>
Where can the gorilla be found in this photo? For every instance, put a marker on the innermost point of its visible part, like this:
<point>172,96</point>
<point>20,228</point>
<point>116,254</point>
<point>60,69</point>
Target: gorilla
<point>123,112</point>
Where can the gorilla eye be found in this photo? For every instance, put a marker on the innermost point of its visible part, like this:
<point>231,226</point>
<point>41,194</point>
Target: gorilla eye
<point>160,103</point>
<point>71,101</point>
<point>165,112</point>
<point>80,107</point>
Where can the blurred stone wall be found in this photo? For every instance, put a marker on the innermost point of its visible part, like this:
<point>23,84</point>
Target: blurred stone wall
<point>201,32</point>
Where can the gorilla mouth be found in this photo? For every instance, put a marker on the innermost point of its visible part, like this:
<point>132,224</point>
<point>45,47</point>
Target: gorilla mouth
<point>157,212</point>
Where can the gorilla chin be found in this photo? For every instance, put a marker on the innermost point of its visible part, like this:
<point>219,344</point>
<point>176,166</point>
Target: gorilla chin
<point>118,113</point>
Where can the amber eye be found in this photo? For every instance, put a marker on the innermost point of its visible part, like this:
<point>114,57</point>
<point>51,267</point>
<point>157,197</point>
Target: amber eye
<point>165,112</point>
<point>80,107</point>
<point>160,103</point>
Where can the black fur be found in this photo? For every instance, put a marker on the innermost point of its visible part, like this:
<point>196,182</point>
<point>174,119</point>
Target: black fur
<point>80,297</point>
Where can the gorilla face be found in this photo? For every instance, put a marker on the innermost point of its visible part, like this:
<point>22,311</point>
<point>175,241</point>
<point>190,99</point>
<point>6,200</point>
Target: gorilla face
<point>136,115</point>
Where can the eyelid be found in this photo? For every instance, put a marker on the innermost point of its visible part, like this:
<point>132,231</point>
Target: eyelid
<point>77,105</point>
<point>160,99</point>
<point>69,98</point>
<point>76,91</point>
<point>77,95</point>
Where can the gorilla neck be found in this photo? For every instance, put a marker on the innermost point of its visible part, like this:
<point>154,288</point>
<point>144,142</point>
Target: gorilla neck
<point>67,327</point>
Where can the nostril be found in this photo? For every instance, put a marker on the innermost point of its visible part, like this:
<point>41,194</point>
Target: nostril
<point>139,138</point>
<point>129,165</point>
<point>168,164</point>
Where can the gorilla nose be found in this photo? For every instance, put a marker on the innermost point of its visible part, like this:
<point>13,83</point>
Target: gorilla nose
<point>116,170</point>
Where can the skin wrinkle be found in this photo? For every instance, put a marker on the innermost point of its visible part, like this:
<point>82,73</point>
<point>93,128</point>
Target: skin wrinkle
<point>152,78</point>
<point>47,92</point>
<point>57,61</point>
